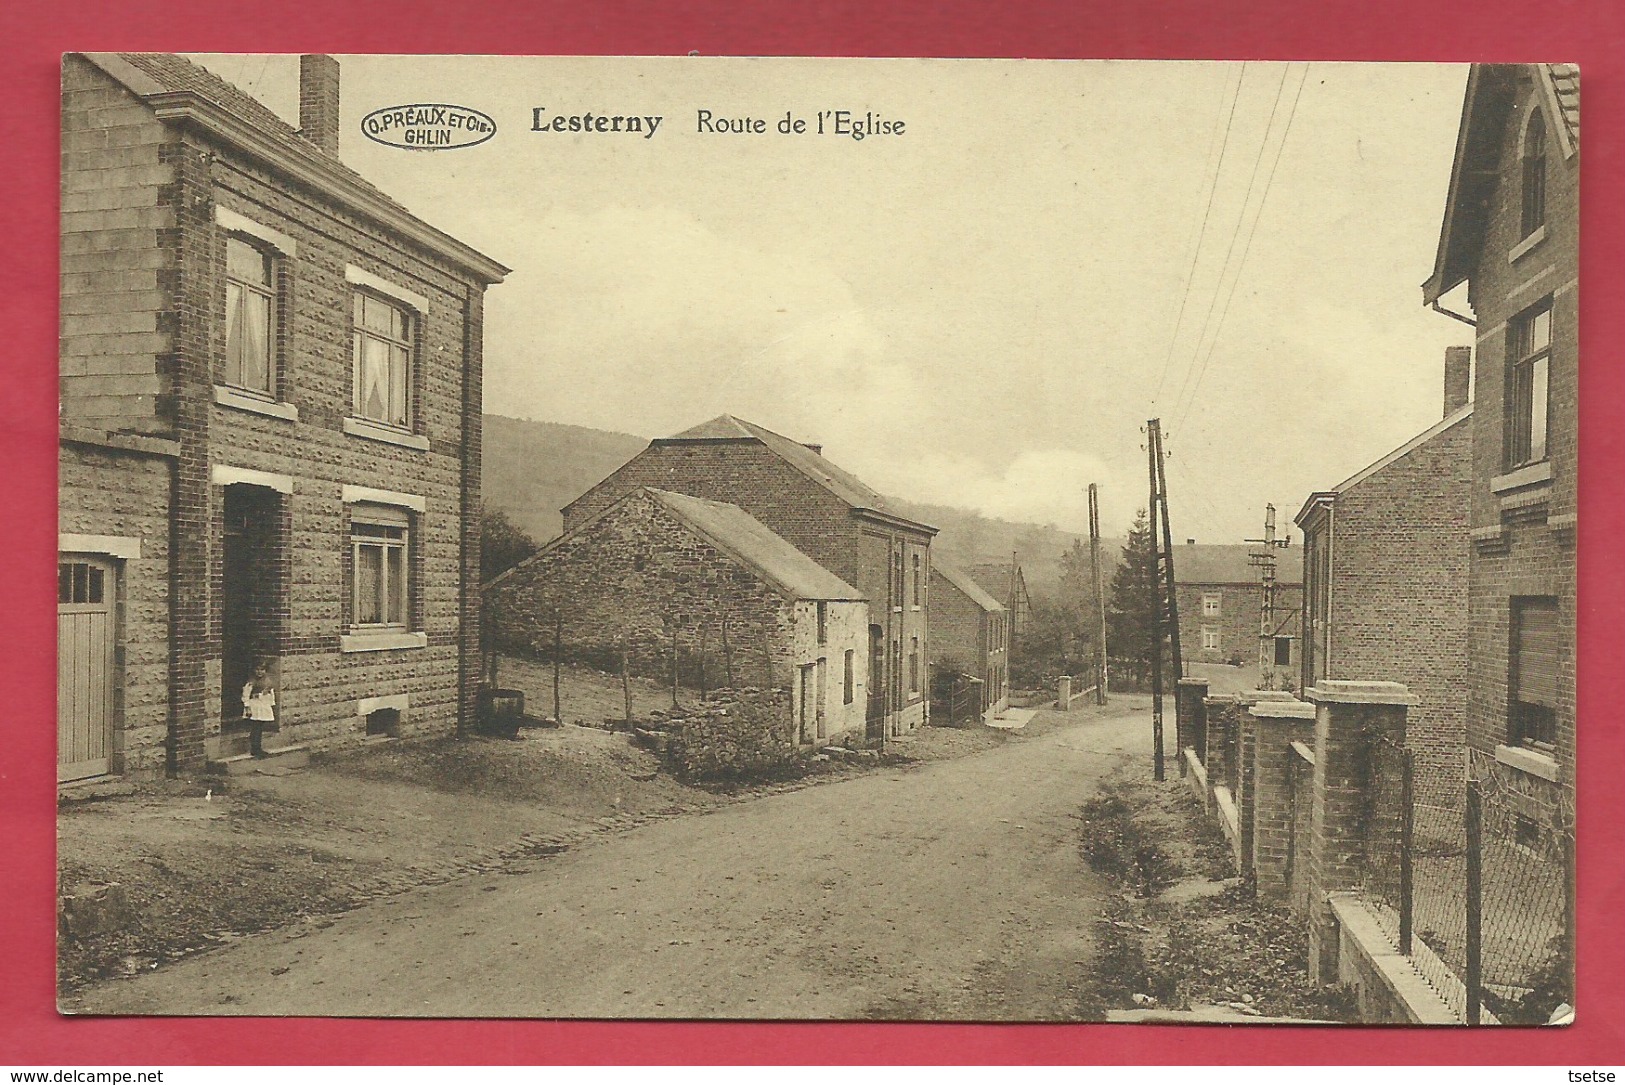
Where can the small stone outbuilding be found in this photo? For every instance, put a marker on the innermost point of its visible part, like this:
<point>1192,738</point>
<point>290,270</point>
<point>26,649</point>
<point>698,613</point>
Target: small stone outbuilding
<point>659,574</point>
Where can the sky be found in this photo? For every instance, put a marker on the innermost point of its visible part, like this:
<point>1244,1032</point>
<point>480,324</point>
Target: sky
<point>982,311</point>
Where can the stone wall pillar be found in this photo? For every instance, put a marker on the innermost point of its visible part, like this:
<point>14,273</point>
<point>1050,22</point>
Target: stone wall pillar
<point>1063,692</point>
<point>1349,716</point>
<point>1276,725</point>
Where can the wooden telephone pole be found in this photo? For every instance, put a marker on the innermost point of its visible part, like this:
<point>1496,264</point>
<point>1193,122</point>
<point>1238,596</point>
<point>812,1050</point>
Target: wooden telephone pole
<point>1164,602</point>
<point>1100,596</point>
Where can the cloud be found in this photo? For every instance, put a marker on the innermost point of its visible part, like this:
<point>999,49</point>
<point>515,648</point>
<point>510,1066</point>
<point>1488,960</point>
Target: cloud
<point>1043,486</point>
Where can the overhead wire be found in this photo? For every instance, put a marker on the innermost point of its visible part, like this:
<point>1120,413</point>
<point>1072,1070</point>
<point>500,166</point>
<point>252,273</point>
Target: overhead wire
<point>1264,196</point>
<point>1235,234</point>
<point>1234,95</point>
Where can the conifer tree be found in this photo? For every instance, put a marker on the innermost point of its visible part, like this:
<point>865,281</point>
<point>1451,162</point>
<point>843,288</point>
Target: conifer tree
<point>1133,594</point>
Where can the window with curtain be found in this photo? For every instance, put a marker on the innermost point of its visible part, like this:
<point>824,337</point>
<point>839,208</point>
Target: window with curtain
<point>379,537</point>
<point>382,354</point>
<point>250,318</point>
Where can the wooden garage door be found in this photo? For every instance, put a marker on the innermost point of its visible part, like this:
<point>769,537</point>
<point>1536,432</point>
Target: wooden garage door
<point>84,667</point>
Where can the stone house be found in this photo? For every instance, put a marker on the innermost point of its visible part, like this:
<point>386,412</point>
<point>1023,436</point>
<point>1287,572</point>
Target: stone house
<point>1385,556</point>
<point>270,428</point>
<point>970,630</point>
<point>660,573</point>
<point>825,512</point>
<point>1511,236</point>
<point>1006,582</point>
<point>1219,592</point>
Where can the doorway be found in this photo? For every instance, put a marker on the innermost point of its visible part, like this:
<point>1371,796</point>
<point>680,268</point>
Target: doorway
<point>250,589</point>
<point>875,718</point>
<point>86,596</point>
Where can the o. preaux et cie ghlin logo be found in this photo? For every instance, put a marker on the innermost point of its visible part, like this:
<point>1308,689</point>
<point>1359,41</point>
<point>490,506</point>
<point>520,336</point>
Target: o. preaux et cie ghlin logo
<point>428,127</point>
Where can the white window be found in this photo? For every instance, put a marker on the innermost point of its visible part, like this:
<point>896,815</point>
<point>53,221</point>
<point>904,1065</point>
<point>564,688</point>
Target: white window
<point>1528,382</point>
<point>379,538</point>
<point>381,348</point>
<point>1210,638</point>
<point>250,317</point>
<point>1210,603</point>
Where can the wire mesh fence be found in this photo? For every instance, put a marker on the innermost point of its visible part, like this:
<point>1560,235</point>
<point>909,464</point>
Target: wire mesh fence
<point>1472,879</point>
<point>1520,893</point>
<point>1385,874</point>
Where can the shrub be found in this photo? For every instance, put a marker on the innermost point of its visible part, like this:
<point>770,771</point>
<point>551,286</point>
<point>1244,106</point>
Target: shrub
<point>744,739</point>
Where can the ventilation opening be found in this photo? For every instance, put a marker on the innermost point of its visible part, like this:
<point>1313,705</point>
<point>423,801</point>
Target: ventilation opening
<point>384,721</point>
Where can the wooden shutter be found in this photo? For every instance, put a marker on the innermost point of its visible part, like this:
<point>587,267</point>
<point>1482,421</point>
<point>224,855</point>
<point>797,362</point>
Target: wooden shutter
<point>1536,652</point>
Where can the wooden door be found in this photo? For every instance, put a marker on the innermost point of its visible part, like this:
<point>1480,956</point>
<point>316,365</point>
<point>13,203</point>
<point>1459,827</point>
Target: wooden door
<point>84,669</point>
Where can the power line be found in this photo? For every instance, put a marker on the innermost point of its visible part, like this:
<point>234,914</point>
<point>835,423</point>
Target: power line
<point>1235,234</point>
<point>1201,233</point>
<point>1269,181</point>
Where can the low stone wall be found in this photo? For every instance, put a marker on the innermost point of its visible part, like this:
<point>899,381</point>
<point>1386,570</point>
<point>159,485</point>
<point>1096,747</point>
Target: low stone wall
<point>1388,988</point>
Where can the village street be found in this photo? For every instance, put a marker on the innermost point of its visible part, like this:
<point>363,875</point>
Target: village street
<point>951,889</point>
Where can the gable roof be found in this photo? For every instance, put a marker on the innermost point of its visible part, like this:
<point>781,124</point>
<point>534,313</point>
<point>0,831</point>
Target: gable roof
<point>185,92</point>
<point>736,531</point>
<point>1491,90</point>
<point>732,530</point>
<point>805,459</point>
<point>1322,499</point>
<point>1229,563</point>
<point>968,587</point>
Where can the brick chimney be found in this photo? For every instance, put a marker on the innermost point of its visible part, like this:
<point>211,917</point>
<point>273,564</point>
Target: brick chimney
<point>319,101</point>
<point>1458,378</point>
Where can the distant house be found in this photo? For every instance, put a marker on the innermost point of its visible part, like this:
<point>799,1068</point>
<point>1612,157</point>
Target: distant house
<point>1385,556</point>
<point>821,510</point>
<point>1221,619</point>
<point>1006,582</point>
<point>270,429</point>
<point>657,571</point>
<point>971,630</point>
<point>1511,234</point>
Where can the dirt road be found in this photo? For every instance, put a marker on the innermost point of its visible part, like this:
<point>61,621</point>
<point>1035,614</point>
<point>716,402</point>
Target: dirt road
<point>949,890</point>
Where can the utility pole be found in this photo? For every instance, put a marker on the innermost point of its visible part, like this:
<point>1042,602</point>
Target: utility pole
<point>1265,564</point>
<point>1100,596</point>
<point>1164,602</point>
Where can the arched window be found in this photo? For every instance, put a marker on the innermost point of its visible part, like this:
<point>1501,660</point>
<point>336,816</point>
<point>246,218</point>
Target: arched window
<point>1534,172</point>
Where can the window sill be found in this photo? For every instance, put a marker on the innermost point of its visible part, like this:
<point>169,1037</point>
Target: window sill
<point>1529,761</point>
<point>381,642</point>
<point>244,401</point>
<point>1528,243</point>
<point>372,431</point>
<point>1523,476</point>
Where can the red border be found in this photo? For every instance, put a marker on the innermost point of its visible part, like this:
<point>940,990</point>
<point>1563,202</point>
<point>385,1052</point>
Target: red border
<point>34,34</point>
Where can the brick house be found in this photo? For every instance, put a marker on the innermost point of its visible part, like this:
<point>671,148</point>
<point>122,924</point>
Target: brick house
<point>1385,556</point>
<point>658,571</point>
<point>970,630</point>
<point>1219,594</point>
<point>823,511</point>
<point>1511,234</point>
<point>270,428</point>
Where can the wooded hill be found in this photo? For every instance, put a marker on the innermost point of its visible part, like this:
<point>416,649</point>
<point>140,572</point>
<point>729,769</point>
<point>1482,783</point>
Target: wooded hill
<point>533,469</point>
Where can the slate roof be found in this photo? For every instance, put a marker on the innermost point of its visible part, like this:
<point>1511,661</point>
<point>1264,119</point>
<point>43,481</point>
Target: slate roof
<point>842,483</point>
<point>962,580</point>
<point>731,528</point>
<point>176,74</point>
<point>150,75</point>
<point>1228,563</point>
<point>1491,89</point>
<point>1565,80</point>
